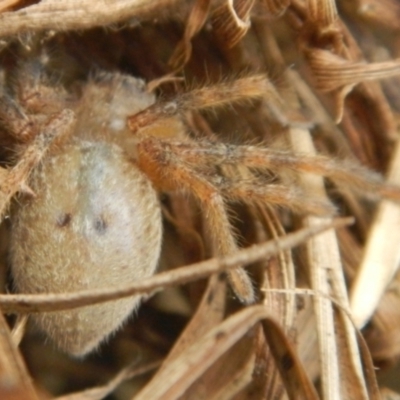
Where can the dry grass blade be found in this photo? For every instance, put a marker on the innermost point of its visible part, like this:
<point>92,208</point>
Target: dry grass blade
<point>387,394</point>
<point>74,14</point>
<point>230,373</point>
<point>237,382</point>
<point>15,382</point>
<point>217,381</point>
<point>208,315</point>
<point>182,372</point>
<point>381,256</point>
<point>283,276</point>
<point>19,329</point>
<point>101,392</point>
<point>369,368</point>
<point>297,382</point>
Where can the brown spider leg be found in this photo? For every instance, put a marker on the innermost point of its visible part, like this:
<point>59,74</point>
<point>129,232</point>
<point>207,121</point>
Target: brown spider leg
<point>15,121</point>
<point>254,191</point>
<point>344,172</point>
<point>169,173</point>
<point>15,179</point>
<point>206,97</point>
<point>249,190</point>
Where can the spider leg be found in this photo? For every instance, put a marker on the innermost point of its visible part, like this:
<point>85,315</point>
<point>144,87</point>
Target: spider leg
<point>257,191</point>
<point>15,121</point>
<point>15,179</point>
<point>249,189</point>
<point>206,97</point>
<point>166,170</point>
<point>344,172</point>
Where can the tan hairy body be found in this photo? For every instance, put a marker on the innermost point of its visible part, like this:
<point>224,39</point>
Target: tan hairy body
<point>94,222</point>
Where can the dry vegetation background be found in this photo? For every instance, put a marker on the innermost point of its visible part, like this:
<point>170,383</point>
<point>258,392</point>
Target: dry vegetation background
<point>332,67</point>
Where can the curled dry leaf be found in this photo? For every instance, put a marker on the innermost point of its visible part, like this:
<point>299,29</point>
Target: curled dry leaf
<point>275,7</point>
<point>197,19</point>
<point>323,13</point>
<point>231,20</point>
<point>333,73</point>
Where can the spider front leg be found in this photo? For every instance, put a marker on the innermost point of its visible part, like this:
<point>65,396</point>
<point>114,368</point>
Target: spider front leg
<point>242,90</point>
<point>169,173</point>
<point>14,180</point>
<point>342,172</point>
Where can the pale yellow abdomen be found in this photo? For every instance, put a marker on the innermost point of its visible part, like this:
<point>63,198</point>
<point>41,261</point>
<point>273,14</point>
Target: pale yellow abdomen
<point>95,223</point>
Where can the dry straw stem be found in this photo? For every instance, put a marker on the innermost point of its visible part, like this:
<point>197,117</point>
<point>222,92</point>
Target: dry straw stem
<point>381,255</point>
<point>75,14</point>
<point>284,277</point>
<point>19,329</point>
<point>326,266</point>
<point>52,302</point>
<point>319,264</point>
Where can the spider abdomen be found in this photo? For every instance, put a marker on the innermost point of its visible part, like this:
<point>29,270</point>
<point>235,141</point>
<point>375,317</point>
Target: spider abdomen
<point>95,223</point>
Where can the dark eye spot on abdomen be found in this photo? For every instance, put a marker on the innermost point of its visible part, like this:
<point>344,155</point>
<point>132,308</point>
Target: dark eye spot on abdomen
<point>64,220</point>
<point>100,225</point>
